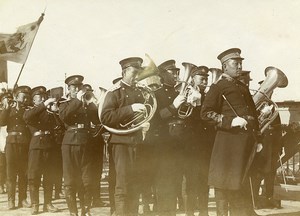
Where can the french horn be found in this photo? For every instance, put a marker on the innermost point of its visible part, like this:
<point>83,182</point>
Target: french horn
<point>267,109</point>
<point>147,82</point>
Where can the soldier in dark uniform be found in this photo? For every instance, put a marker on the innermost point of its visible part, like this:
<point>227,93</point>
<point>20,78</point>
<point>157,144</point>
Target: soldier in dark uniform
<point>3,135</point>
<point>17,143</point>
<point>166,132</point>
<point>41,150</point>
<point>76,146</point>
<point>198,146</point>
<point>58,135</point>
<point>267,160</point>
<point>98,147</point>
<point>122,102</point>
<point>229,106</point>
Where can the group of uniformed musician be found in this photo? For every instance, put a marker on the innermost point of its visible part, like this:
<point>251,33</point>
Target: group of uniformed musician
<point>170,163</point>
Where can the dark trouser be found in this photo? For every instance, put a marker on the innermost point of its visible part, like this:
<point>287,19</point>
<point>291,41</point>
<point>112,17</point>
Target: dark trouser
<point>77,173</point>
<point>238,202</point>
<point>40,163</point>
<point>97,167</point>
<point>2,169</point>
<point>169,176</point>
<point>145,173</point>
<point>111,180</point>
<point>57,175</point>
<point>196,175</point>
<point>16,165</point>
<point>126,190</point>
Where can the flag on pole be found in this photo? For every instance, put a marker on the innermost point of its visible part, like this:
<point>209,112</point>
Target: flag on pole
<point>15,47</point>
<point>3,71</point>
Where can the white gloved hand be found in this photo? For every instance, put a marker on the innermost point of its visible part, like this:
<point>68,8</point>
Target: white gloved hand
<point>145,127</point>
<point>239,122</point>
<point>259,147</point>
<point>180,99</point>
<point>80,94</point>
<point>138,107</point>
<point>49,101</point>
<point>267,110</point>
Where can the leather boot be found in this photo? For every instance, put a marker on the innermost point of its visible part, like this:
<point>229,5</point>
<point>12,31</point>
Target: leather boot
<point>48,207</point>
<point>71,201</point>
<point>34,197</point>
<point>34,209</point>
<point>222,208</point>
<point>203,205</point>
<point>11,192</point>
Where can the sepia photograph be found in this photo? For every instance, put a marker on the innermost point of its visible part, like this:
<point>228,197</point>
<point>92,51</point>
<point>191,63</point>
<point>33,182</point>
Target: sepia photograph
<point>150,108</point>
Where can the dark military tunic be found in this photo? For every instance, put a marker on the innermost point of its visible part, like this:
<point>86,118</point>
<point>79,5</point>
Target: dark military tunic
<point>41,151</point>
<point>16,150</point>
<point>166,132</point>
<point>77,150</point>
<point>116,110</point>
<point>199,141</point>
<point>232,146</point>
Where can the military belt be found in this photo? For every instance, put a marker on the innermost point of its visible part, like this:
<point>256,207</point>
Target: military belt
<point>14,133</point>
<point>40,133</point>
<point>77,126</point>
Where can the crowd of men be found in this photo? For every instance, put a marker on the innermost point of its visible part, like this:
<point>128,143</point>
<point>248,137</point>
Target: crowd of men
<point>170,161</point>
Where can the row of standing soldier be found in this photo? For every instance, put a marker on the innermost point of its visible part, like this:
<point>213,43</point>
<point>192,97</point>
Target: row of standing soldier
<point>211,147</point>
<point>43,140</point>
<point>173,150</point>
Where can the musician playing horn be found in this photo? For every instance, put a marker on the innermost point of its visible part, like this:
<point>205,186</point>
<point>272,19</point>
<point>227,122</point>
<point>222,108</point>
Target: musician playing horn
<point>122,102</point>
<point>17,144</point>
<point>229,106</point>
<point>166,129</point>
<point>76,148</point>
<point>41,149</point>
<point>199,140</point>
<point>267,161</point>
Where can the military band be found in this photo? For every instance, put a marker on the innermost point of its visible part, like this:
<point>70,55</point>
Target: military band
<point>169,141</point>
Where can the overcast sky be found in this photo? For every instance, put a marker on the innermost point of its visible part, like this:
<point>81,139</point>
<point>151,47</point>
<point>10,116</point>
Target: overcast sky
<point>90,37</point>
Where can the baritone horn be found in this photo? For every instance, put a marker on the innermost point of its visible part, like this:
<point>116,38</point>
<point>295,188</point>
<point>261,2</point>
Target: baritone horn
<point>146,81</point>
<point>267,109</point>
<point>185,109</point>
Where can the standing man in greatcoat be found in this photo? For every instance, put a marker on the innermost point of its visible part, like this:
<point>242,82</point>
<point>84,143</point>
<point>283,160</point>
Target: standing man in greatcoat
<point>229,106</point>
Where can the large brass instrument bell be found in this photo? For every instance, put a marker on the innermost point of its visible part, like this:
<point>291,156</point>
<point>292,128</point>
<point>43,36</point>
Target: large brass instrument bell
<point>267,109</point>
<point>185,109</point>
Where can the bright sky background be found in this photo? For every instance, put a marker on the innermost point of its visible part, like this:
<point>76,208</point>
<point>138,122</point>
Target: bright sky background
<point>90,37</point>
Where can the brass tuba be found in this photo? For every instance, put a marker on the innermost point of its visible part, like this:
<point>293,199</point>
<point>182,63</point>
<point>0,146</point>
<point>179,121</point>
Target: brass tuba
<point>267,109</point>
<point>215,74</point>
<point>136,122</point>
<point>185,109</point>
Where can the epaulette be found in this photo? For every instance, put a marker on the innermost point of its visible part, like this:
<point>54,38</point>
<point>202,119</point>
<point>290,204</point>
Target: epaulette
<point>116,86</point>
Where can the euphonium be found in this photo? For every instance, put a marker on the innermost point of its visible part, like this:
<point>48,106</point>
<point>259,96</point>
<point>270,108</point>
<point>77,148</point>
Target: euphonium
<point>266,108</point>
<point>185,109</point>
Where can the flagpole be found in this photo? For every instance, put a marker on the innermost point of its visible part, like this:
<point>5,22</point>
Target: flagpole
<point>38,25</point>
